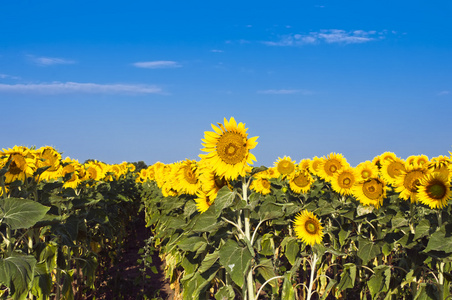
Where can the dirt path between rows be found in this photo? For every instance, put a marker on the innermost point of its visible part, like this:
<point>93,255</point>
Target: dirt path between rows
<point>124,279</point>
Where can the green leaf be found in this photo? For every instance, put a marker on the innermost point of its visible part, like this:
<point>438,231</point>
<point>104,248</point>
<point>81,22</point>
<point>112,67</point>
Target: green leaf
<point>42,282</point>
<point>348,277</point>
<point>288,292</point>
<point>21,213</point>
<point>267,244</point>
<point>399,220</point>
<point>362,210</point>
<point>17,273</point>
<point>225,198</point>
<point>208,261</point>
<point>225,293</point>
<point>207,221</point>
<point>422,229</point>
<point>292,248</point>
<point>266,269</point>
<point>192,243</point>
<point>440,241</point>
<point>379,281</point>
<point>367,250</point>
<point>236,260</point>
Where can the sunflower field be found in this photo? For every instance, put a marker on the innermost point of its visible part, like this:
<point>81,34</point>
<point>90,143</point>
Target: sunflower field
<point>314,229</point>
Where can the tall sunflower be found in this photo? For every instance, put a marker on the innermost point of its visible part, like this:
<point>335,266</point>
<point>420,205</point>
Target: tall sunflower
<point>434,190</point>
<point>370,192</point>
<point>308,228</point>
<point>391,169</point>
<point>48,157</point>
<point>228,149</point>
<point>366,170</point>
<point>203,201</point>
<point>261,185</point>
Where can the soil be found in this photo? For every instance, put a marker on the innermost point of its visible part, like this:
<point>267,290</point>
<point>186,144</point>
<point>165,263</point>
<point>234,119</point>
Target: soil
<point>124,279</point>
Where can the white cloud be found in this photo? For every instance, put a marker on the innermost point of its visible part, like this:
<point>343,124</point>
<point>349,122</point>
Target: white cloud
<point>157,64</point>
<point>49,61</point>
<point>6,76</point>
<point>327,36</point>
<point>442,93</point>
<point>216,51</point>
<point>284,92</point>
<point>76,87</point>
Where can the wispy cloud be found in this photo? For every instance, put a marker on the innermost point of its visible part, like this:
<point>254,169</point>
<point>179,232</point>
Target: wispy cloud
<point>216,51</point>
<point>443,93</point>
<point>49,61</point>
<point>76,87</point>
<point>284,92</point>
<point>329,36</point>
<point>6,76</point>
<point>157,64</point>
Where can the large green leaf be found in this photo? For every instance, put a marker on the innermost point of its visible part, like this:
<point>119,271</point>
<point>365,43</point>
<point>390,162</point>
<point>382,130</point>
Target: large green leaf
<point>21,213</point>
<point>440,241</point>
<point>348,277</point>
<point>236,259</point>
<point>225,293</point>
<point>17,273</point>
<point>225,198</point>
<point>367,250</point>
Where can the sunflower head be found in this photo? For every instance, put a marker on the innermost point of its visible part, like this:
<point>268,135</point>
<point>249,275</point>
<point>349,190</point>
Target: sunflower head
<point>434,190</point>
<point>285,166</point>
<point>228,149</point>
<point>344,180</point>
<point>370,192</point>
<point>332,164</point>
<point>301,181</point>
<point>308,228</point>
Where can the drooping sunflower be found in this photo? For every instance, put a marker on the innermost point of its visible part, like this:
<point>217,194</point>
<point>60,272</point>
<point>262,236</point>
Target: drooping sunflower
<point>332,164</point>
<point>308,228</point>
<point>301,181</point>
<point>71,168</point>
<point>370,192</point>
<point>203,201</point>
<point>366,170</point>
<point>228,149</point>
<point>417,161</point>
<point>386,156</point>
<point>440,164</point>
<point>22,163</point>
<point>187,178</point>
<point>48,157</point>
<point>391,169</point>
<point>434,190</point>
<point>285,166</point>
<point>343,181</point>
<point>407,183</point>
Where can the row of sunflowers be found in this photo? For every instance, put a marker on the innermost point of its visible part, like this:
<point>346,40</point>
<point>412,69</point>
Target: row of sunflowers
<point>317,228</point>
<point>62,223</point>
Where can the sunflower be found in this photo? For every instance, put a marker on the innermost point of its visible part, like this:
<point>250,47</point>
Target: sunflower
<point>434,190</point>
<point>407,183</point>
<point>384,157</point>
<point>49,157</point>
<point>391,169</point>
<point>332,164</point>
<point>370,192</point>
<point>203,201</point>
<point>74,180</point>
<point>228,149</point>
<point>366,170</point>
<point>300,181</point>
<point>308,228</point>
<point>344,180</point>
<point>314,165</point>
<point>261,185</point>
<point>417,161</point>
<point>285,166</point>
<point>22,163</point>
<point>187,178</point>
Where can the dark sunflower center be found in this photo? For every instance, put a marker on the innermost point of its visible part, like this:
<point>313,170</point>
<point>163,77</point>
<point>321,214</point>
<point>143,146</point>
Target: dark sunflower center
<point>189,175</point>
<point>301,180</point>
<point>219,182</point>
<point>265,184</point>
<point>395,168</point>
<point>345,180</point>
<point>372,189</point>
<point>310,226</point>
<point>17,165</point>
<point>231,148</point>
<point>412,180</point>
<point>436,189</point>
<point>331,167</point>
<point>285,167</point>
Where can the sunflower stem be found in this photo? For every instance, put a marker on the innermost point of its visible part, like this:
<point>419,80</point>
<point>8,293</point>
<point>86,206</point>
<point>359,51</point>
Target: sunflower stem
<point>312,279</point>
<point>249,277</point>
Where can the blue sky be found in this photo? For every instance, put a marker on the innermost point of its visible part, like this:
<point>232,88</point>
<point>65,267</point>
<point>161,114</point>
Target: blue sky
<point>142,80</point>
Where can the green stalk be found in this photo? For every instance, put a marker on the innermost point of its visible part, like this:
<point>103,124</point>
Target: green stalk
<point>249,276</point>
